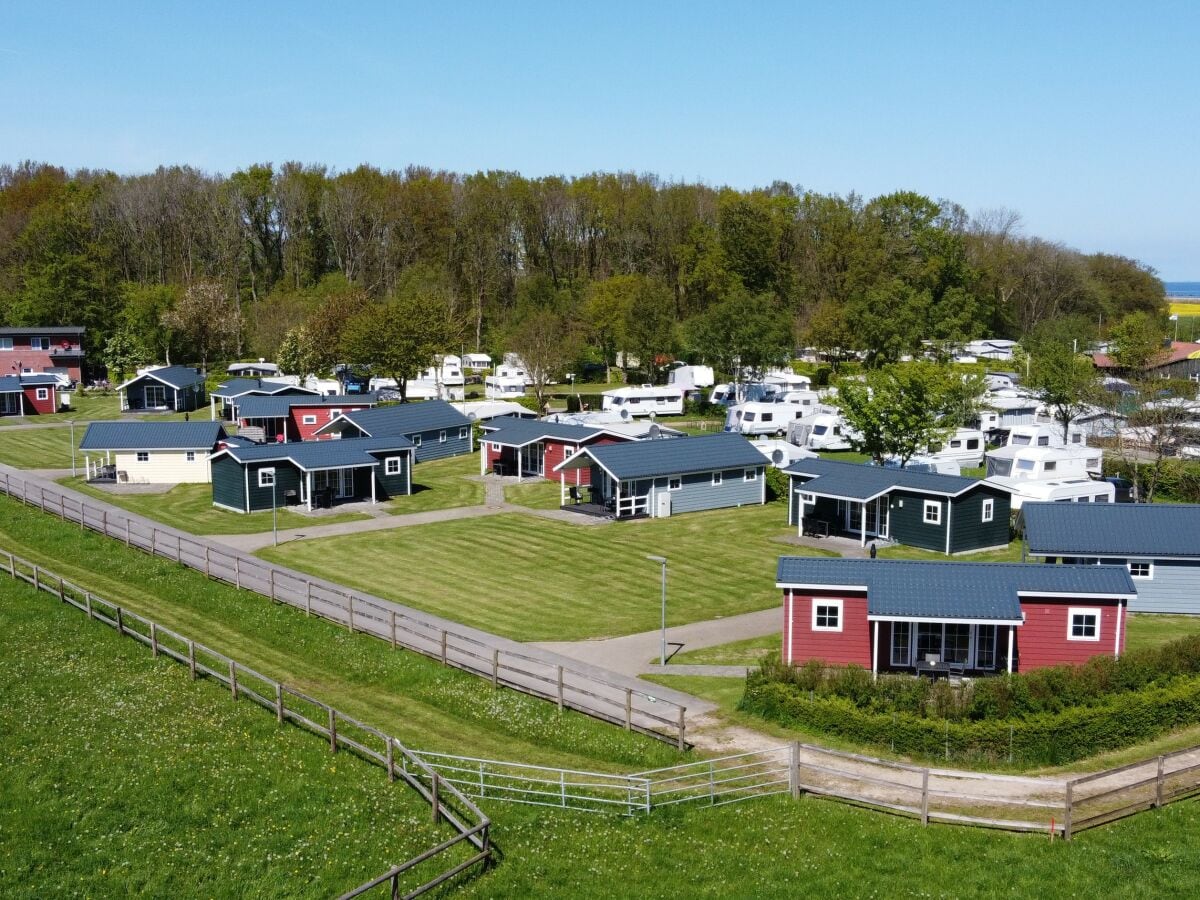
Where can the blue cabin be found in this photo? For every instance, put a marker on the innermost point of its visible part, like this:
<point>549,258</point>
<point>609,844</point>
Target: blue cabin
<point>437,430</point>
<point>169,389</point>
<point>1159,543</point>
<point>231,393</point>
<point>663,478</point>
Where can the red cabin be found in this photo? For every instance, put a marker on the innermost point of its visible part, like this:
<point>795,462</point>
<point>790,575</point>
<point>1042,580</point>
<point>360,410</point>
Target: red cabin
<point>288,418</point>
<point>28,395</point>
<point>530,448</point>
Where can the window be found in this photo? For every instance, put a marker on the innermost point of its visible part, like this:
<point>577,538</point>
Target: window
<point>143,456</point>
<point>309,420</point>
<point>901,643</point>
<point>441,437</point>
<point>6,343</point>
<point>957,644</point>
<point>989,509</point>
<point>768,417</point>
<point>827,615</point>
<point>1020,440</point>
<point>43,393</point>
<point>808,498</point>
<point>39,343</point>
<point>496,448</point>
<point>973,444</point>
<point>334,413</point>
<point>1083,624</point>
<point>1141,568</point>
<point>1077,439</point>
<point>189,456</point>
<point>266,477</point>
<point>749,417</point>
<point>929,640</point>
<point>1026,465</point>
<point>955,445</point>
<point>416,440</point>
<point>1043,440</point>
<point>750,475</point>
<point>933,512</point>
<point>985,647</point>
<point>391,465</point>
<point>462,433</point>
<point>674,484</point>
<point>1051,465</point>
<point>716,478</point>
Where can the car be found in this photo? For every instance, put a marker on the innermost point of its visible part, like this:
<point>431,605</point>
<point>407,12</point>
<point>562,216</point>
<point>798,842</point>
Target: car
<point>1126,489</point>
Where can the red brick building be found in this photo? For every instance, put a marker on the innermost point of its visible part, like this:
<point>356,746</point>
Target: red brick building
<point>950,617</point>
<point>39,350</point>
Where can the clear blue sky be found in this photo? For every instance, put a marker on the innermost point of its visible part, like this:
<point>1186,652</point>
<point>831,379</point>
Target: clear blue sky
<point>1081,116</point>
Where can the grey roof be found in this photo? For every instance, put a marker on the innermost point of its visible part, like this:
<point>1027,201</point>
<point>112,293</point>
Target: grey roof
<point>316,455</point>
<point>648,459</point>
<point>239,387</point>
<point>35,330</point>
<point>14,384</point>
<point>856,481</point>
<point>152,436</point>
<point>176,376</point>
<point>404,418</point>
<point>953,590</point>
<point>234,368</point>
<point>514,432</point>
<point>1113,529</point>
<point>257,406</point>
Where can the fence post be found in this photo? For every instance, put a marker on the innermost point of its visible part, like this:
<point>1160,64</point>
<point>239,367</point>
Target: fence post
<point>207,563</point>
<point>104,521</point>
<point>42,492</point>
<point>237,572</point>
<point>1070,802</point>
<point>82,517</point>
<point>120,624</point>
<point>628,709</point>
<point>308,598</point>
<point>36,586</point>
<point>682,743</point>
<point>62,594</point>
<point>1158,785</point>
<point>560,688</point>
<point>495,667</point>
<point>712,783</point>
<point>271,573</point>
<point>350,614</point>
<point>794,771</point>
<point>391,761</point>
<point>562,787</point>
<point>434,802</point>
<point>153,640</point>
<point>178,549</point>
<point>87,602</point>
<point>924,796</point>
<point>393,617</point>
<point>233,679</point>
<point>444,639</point>
<point>127,531</point>
<point>153,541</point>
<point>332,730</point>
<point>279,702</point>
<point>192,659</point>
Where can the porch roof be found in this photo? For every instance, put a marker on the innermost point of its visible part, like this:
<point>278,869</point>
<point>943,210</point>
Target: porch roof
<point>983,592</point>
<point>400,419</point>
<point>313,456</point>
<point>513,432</point>
<point>648,459</point>
<point>178,377</point>
<point>859,482</point>
<point>15,384</point>
<point>240,387</point>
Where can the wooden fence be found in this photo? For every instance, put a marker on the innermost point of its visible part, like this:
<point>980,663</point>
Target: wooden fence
<point>631,708</point>
<point>447,804</point>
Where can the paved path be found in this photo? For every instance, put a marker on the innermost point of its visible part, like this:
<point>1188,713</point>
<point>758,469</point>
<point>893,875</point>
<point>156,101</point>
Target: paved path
<point>634,654</point>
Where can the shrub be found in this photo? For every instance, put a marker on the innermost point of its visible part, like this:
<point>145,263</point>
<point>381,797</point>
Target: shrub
<point>777,484</point>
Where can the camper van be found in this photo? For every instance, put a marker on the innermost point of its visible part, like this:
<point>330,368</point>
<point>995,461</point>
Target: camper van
<point>645,400</point>
<point>823,429</point>
<point>1044,435</point>
<point>503,387</point>
<point>1059,490</point>
<point>1044,463</point>
<point>508,370</point>
<point>690,378</point>
<point>770,417</point>
<point>787,380</point>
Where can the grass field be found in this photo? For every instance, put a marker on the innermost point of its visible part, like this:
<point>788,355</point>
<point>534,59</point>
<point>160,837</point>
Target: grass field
<point>89,407</point>
<point>533,579</point>
<point>737,653</point>
<point>189,507</point>
<point>121,776</point>
<point>40,448</point>
<point>1149,630</point>
<point>536,494</point>
<point>441,484</point>
<point>1011,553</point>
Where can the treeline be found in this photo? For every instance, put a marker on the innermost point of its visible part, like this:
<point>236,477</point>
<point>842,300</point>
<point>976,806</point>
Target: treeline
<point>620,261</point>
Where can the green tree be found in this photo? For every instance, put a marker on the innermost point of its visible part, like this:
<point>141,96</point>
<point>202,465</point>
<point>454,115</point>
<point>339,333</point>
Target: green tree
<point>546,344</point>
<point>143,306</point>
<point>298,353</point>
<point>1137,341</point>
<point>744,335</point>
<point>397,339</point>
<point>1062,379</point>
<point>123,353</point>
<point>208,318</point>
<point>650,326</point>
<point>606,311</point>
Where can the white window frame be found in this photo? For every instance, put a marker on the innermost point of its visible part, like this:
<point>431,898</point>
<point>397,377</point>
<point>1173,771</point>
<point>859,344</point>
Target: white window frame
<point>1083,611</point>
<point>989,509</point>
<point>827,603</point>
<point>442,437</point>
<point>6,343</point>
<point>568,451</point>
<point>142,456</point>
<point>1148,563</point>
<point>310,419</point>
<point>675,483</point>
<point>908,646</point>
<point>936,506</point>
<point>266,482</point>
<point>416,440</point>
<point>462,433</point>
<point>39,343</point>
<point>807,498</point>
<point>388,464</point>
<point>496,448</point>
<point>189,456</point>
<point>43,393</point>
<point>750,475</point>
<point>717,478</point>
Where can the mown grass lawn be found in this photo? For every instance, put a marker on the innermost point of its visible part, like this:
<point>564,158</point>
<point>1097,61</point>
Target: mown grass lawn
<point>91,407</point>
<point>534,579</point>
<point>40,448</point>
<point>441,484</point>
<point>537,494</point>
<point>1147,630</point>
<point>123,777</point>
<point>190,507</point>
<point>416,699</point>
<point>737,653</point>
<point>1011,553</point>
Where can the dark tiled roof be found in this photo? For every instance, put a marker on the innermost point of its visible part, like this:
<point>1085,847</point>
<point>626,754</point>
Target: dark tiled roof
<point>1120,530</point>
<point>152,436</point>
<point>35,330</point>
<point>406,418</point>
<point>257,406</point>
<point>648,459</point>
<point>953,590</point>
<point>514,432</point>
<point>238,387</point>
<point>175,376</point>
<point>313,455</point>
<point>14,384</point>
<point>855,481</point>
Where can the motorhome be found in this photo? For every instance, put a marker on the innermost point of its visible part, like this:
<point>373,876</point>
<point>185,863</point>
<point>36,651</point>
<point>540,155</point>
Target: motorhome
<point>1005,409</point>
<point>1058,490</point>
<point>823,429</point>
<point>1044,463</point>
<point>503,387</point>
<point>690,378</point>
<point>773,416</point>
<point>508,370</point>
<point>645,400</point>
<point>965,447</point>
<point>477,362</point>
<point>1044,435</point>
<point>787,380</point>
<point>749,391</point>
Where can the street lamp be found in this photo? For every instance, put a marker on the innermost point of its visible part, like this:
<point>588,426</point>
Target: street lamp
<point>1175,319</point>
<point>274,513</point>
<point>662,561</point>
<point>71,422</point>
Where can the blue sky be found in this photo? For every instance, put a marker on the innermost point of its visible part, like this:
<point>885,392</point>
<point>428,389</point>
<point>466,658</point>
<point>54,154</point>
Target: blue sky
<point>1081,116</point>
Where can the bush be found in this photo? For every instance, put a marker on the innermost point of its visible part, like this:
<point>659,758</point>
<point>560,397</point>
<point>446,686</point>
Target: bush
<point>822,376</point>
<point>777,484</point>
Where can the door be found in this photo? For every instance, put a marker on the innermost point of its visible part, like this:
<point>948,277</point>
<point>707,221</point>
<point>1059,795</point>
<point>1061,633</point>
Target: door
<point>154,396</point>
<point>345,483</point>
<point>533,459</point>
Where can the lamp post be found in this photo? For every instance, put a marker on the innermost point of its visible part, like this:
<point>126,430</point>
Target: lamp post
<point>662,561</point>
<point>1175,319</point>
<point>71,422</point>
<point>274,513</point>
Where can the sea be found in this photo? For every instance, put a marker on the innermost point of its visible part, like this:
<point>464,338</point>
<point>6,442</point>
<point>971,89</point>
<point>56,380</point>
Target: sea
<point>1182,288</point>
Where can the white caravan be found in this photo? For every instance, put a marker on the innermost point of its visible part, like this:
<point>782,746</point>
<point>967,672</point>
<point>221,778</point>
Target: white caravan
<point>1044,463</point>
<point>1058,490</point>
<point>477,362</point>
<point>510,371</point>
<point>965,447</point>
<point>503,387</point>
<point>1045,435</point>
<point>787,380</point>
<point>773,416</point>
<point>691,378</point>
<point>934,464</point>
<point>781,454</point>
<point>646,400</point>
<point>824,429</point>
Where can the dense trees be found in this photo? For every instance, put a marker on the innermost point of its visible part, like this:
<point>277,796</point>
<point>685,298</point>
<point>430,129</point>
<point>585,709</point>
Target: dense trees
<point>638,265</point>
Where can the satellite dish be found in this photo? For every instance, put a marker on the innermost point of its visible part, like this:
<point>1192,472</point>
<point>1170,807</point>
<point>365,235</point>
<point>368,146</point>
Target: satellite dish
<point>777,456</point>
<point>624,414</point>
<point>653,415</point>
<point>654,431</point>
<point>472,416</point>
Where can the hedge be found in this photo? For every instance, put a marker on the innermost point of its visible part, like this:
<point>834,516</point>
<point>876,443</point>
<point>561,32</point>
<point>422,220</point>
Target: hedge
<point>1044,739</point>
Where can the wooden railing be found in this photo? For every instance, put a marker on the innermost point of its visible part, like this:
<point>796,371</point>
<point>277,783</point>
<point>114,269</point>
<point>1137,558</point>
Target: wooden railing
<point>447,804</point>
<point>631,708</point>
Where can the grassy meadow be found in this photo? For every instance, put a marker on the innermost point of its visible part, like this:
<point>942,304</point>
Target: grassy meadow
<point>534,579</point>
<point>40,448</point>
<point>441,484</point>
<point>122,777</point>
